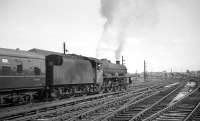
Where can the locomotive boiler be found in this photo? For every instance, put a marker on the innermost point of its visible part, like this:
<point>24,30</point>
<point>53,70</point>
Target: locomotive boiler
<point>112,69</point>
<point>114,75</point>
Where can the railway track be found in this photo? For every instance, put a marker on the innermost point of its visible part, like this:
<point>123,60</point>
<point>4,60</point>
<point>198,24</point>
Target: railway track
<point>138,108</point>
<point>98,112</point>
<point>63,113</point>
<point>186,109</point>
<point>48,109</point>
<point>74,114</point>
<point>43,107</point>
<point>157,106</point>
<point>35,112</point>
<point>60,108</point>
<point>194,115</point>
<point>39,104</point>
<point>112,104</point>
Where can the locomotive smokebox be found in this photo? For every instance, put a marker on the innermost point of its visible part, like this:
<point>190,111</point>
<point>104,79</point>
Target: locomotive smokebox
<point>117,62</point>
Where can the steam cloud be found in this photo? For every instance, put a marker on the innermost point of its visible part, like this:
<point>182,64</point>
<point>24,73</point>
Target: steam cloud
<point>123,16</point>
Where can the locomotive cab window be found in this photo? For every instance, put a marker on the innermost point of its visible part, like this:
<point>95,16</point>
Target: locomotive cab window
<point>37,71</point>
<point>6,70</point>
<point>99,66</point>
<point>19,68</point>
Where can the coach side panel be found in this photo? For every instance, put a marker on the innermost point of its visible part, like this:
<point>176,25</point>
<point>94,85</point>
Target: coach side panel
<point>18,72</point>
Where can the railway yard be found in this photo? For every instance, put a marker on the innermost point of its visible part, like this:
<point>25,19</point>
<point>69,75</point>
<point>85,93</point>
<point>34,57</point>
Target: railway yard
<point>144,101</point>
<point>99,60</point>
<point>59,87</point>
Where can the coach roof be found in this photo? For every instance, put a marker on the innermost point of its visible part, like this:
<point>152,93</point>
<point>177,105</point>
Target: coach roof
<point>19,53</point>
<point>44,52</point>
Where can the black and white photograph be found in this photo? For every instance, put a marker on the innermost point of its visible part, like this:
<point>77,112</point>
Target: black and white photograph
<point>99,60</point>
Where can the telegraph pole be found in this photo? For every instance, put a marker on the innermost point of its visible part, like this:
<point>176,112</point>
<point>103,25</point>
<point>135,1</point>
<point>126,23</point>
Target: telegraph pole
<point>136,76</point>
<point>145,71</point>
<point>64,48</point>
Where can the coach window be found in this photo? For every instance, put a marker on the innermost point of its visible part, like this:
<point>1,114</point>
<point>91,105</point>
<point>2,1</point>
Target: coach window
<point>37,71</point>
<point>6,70</point>
<point>19,68</point>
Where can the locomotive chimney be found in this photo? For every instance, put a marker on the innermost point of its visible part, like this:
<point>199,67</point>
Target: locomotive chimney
<point>122,60</point>
<point>117,62</point>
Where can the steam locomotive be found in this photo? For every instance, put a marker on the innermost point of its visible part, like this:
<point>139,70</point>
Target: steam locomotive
<point>27,76</point>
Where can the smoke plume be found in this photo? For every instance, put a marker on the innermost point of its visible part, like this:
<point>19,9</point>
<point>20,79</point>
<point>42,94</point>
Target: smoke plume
<point>121,17</point>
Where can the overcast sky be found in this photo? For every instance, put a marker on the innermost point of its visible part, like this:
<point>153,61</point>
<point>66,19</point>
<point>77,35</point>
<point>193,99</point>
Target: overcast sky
<point>166,33</point>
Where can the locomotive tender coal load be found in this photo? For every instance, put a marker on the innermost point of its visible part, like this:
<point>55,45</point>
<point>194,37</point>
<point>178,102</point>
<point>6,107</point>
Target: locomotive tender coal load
<point>27,76</point>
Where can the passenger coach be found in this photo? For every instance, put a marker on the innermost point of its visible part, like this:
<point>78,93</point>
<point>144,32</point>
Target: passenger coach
<point>22,75</point>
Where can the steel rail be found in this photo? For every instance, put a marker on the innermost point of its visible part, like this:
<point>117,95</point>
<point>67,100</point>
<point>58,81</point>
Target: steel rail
<point>114,104</point>
<point>131,109</point>
<point>179,110</point>
<point>56,104</point>
<point>157,106</point>
<point>13,109</point>
<point>27,114</point>
<point>66,112</point>
<point>69,110</point>
<point>93,111</point>
<point>194,115</point>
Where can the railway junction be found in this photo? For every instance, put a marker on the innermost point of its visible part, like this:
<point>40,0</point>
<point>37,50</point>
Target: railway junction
<point>170,100</point>
<point>49,86</point>
<point>99,60</point>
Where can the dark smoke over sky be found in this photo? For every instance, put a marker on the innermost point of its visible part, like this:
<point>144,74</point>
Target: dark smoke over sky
<point>164,32</point>
<point>120,16</point>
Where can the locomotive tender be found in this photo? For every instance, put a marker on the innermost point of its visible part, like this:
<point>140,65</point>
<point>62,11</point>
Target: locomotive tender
<point>25,76</point>
<point>72,74</point>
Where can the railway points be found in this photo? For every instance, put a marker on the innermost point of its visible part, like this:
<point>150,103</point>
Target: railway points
<point>128,111</point>
<point>53,107</point>
<point>183,110</point>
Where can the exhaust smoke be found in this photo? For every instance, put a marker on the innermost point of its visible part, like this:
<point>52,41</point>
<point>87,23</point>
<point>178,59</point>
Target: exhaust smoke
<point>121,15</point>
